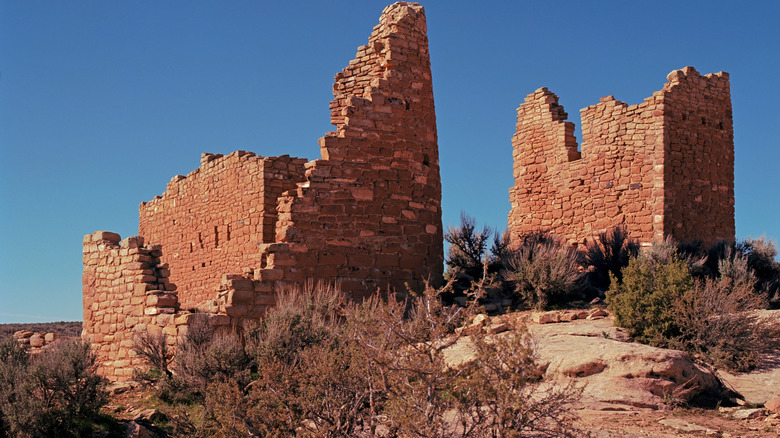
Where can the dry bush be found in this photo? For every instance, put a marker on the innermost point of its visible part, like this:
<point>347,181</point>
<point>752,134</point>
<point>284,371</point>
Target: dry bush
<point>203,358</point>
<point>328,368</point>
<point>544,272</point>
<point>607,255</point>
<point>505,393</point>
<point>717,322</point>
<point>56,393</point>
<point>153,348</point>
<point>467,248</point>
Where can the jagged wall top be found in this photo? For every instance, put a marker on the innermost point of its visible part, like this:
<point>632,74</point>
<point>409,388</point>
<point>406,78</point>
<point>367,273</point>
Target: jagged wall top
<point>386,89</point>
<point>661,167</point>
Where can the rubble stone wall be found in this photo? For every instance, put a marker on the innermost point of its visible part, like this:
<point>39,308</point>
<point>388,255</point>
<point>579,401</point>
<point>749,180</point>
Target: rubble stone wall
<point>654,167</point>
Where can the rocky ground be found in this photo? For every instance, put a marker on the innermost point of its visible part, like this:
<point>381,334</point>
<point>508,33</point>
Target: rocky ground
<point>62,329</point>
<point>634,390</point>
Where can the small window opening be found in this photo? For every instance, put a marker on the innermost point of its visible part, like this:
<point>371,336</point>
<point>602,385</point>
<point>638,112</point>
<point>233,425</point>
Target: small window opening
<point>216,237</point>
<point>203,265</point>
<point>426,160</point>
<point>200,240</point>
<point>703,121</point>
<point>684,118</point>
<point>228,233</point>
<point>406,104</point>
<point>720,125</point>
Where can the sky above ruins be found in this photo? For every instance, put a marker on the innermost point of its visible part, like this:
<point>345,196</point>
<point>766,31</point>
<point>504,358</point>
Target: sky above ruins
<point>101,103</point>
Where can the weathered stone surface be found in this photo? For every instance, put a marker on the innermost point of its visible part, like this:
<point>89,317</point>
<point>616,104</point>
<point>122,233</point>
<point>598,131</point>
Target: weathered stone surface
<point>686,426</point>
<point>748,414</point>
<point>661,167</point>
<point>37,340</point>
<point>615,373</point>
<point>773,405</point>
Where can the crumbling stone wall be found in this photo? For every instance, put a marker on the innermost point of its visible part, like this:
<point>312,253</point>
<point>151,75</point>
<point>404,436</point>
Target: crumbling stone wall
<point>222,241</point>
<point>126,289</point>
<point>212,221</point>
<point>662,167</point>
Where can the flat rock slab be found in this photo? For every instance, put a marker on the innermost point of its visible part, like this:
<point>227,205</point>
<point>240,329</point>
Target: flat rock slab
<point>618,372</point>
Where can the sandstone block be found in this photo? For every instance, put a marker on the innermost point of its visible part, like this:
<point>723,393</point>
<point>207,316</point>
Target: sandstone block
<point>37,340</point>
<point>106,235</point>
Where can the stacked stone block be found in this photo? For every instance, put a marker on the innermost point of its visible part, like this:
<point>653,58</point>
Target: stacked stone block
<point>369,212</point>
<point>211,221</point>
<point>35,341</point>
<point>654,168</point>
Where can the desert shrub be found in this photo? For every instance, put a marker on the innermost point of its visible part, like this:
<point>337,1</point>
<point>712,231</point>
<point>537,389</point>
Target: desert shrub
<point>717,322</point>
<point>500,392</point>
<point>714,319</point>
<point>325,367</point>
<point>56,393</point>
<point>760,254</point>
<point>153,348</point>
<point>504,392</point>
<point>642,302</point>
<point>204,357</point>
<point>311,373</point>
<point>467,247</point>
<point>301,318</point>
<point>607,255</point>
<point>544,272</point>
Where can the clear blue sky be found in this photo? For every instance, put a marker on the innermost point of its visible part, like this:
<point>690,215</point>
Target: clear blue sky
<point>102,102</point>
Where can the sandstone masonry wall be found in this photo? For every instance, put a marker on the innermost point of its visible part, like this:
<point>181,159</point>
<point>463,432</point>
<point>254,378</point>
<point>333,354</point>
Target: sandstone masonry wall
<point>212,221</point>
<point>126,289</point>
<point>654,167</point>
<point>223,241</point>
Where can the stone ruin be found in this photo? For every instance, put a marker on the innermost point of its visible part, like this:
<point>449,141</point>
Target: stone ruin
<point>664,167</point>
<point>221,242</point>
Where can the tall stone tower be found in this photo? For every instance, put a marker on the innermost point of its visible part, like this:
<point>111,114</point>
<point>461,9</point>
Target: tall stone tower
<point>664,167</point>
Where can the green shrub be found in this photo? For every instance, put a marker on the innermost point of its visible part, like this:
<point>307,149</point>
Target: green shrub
<point>643,301</point>
<point>56,393</point>
<point>544,272</point>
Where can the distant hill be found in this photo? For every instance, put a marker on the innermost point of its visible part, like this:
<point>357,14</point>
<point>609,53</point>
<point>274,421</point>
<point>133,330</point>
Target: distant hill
<point>63,329</point>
